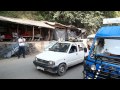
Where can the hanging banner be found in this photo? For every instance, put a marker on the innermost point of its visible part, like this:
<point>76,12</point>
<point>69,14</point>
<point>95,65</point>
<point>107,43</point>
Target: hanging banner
<point>60,34</point>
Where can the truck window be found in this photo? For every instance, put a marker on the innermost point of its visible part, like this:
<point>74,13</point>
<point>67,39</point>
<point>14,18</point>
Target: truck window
<point>100,46</point>
<point>107,47</point>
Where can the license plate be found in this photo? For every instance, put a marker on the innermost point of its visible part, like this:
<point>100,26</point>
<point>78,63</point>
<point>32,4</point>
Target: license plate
<point>40,68</point>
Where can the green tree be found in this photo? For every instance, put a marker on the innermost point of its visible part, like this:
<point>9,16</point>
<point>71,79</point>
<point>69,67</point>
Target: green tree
<point>90,20</point>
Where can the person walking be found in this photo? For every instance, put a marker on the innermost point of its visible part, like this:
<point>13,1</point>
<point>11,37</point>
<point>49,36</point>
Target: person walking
<point>21,42</point>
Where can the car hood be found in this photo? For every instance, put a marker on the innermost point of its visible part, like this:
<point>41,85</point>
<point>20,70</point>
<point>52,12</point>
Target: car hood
<point>51,55</point>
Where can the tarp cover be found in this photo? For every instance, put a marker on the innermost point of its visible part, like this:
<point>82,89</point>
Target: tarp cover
<point>108,31</point>
<point>71,34</point>
<point>60,34</point>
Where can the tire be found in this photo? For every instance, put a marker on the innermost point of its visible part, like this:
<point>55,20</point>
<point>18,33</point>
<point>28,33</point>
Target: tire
<point>62,69</point>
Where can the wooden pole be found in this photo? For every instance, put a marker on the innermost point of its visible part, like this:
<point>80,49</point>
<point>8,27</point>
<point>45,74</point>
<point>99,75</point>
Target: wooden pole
<point>40,31</point>
<point>17,28</point>
<point>25,28</point>
<point>66,34</point>
<point>33,34</point>
<point>48,35</point>
<point>51,34</point>
<point>40,35</point>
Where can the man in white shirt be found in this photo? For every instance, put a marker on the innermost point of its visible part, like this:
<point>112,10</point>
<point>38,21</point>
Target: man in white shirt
<point>21,42</point>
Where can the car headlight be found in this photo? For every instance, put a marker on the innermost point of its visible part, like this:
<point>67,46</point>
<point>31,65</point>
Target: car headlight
<point>93,67</point>
<point>51,63</point>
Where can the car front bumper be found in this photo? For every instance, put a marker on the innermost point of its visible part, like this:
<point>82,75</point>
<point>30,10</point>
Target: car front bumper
<point>45,67</point>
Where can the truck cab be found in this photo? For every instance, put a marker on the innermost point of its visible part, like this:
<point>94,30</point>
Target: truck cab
<point>103,61</point>
<point>60,56</point>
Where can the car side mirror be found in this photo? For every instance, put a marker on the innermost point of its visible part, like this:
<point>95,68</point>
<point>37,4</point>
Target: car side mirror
<point>85,50</point>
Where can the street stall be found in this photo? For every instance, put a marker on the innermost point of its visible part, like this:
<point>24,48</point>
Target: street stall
<point>41,31</point>
<point>28,28</point>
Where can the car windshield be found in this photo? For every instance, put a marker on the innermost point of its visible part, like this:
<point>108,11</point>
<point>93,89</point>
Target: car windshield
<point>60,47</point>
<point>50,45</point>
<point>107,47</point>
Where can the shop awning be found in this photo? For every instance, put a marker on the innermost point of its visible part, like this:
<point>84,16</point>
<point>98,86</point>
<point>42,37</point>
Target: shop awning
<point>26,22</point>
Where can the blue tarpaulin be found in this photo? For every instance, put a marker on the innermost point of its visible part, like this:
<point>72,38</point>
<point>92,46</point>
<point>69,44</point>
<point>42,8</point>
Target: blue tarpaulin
<point>108,31</point>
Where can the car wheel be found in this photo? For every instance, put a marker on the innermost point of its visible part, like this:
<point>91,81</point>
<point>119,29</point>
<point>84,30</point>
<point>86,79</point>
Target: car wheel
<point>62,69</point>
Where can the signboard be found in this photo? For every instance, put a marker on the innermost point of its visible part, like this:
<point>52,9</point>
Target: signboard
<point>111,20</point>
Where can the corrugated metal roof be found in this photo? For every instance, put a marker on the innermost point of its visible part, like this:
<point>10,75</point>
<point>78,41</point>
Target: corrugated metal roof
<point>55,24</point>
<point>81,29</point>
<point>27,22</point>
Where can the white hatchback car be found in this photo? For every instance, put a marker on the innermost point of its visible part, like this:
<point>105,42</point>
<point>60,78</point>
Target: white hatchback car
<point>61,56</point>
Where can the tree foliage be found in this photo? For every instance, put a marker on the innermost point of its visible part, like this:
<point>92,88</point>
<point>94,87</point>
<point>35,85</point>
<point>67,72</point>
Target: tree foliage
<point>90,20</point>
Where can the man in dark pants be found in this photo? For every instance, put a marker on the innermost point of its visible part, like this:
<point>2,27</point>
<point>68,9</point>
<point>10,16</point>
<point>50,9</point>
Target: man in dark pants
<point>21,42</point>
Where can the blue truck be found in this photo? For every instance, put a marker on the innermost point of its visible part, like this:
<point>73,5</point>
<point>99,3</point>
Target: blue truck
<point>103,61</point>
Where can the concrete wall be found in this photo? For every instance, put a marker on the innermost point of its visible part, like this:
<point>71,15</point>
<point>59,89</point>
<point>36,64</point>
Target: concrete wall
<point>39,46</point>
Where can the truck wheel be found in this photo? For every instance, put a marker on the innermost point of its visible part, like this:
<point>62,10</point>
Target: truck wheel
<point>61,69</point>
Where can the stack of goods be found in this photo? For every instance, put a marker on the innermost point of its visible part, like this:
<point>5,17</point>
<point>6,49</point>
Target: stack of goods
<point>8,36</point>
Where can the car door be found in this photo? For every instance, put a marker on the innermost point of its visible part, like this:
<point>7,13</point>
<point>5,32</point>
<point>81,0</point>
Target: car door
<point>81,53</point>
<point>72,56</point>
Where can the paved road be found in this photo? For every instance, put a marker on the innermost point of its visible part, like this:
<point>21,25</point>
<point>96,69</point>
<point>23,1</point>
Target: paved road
<point>15,68</point>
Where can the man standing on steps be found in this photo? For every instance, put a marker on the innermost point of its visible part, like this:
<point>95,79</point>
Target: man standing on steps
<point>21,42</point>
